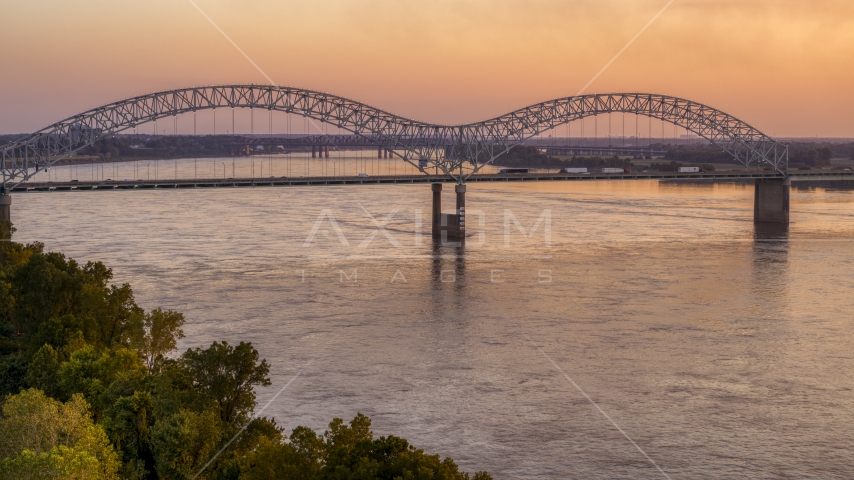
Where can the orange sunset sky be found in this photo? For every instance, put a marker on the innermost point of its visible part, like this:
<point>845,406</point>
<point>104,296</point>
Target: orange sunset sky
<point>785,66</point>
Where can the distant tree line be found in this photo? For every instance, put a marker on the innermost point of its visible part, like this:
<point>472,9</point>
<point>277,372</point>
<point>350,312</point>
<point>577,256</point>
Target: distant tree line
<point>809,156</point>
<point>674,166</point>
<point>706,154</point>
<point>158,147</point>
<point>9,138</point>
<point>531,157</point>
<point>152,147</point>
<point>92,388</point>
<point>801,154</point>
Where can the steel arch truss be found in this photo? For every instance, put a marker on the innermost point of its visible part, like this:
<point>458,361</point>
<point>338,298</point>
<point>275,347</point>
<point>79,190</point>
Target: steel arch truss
<point>456,150</point>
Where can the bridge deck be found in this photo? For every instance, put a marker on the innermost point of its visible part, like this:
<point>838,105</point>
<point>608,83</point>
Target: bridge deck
<point>410,179</point>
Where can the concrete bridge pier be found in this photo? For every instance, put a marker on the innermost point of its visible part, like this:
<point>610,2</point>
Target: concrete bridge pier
<point>461,210</point>
<point>313,152</point>
<point>5,216</point>
<point>449,226</point>
<point>437,209</point>
<point>771,200</point>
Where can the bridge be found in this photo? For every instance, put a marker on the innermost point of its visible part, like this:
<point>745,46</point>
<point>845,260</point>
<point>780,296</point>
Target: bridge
<point>459,152</point>
<point>405,180</point>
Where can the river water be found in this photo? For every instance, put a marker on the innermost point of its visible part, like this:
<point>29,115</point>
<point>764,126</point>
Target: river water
<point>719,349</point>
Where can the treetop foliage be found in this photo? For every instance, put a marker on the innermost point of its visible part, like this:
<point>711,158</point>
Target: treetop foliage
<point>347,451</point>
<point>43,438</point>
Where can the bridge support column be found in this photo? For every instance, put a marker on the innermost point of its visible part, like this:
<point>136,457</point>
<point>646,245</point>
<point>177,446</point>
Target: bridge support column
<point>461,210</point>
<point>313,152</point>
<point>437,209</point>
<point>771,201</point>
<point>449,227</point>
<point>5,216</point>
<point>379,152</point>
<point>327,151</point>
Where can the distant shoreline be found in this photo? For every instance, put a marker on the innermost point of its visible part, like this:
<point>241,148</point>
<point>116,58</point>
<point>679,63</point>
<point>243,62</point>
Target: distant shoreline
<point>94,159</point>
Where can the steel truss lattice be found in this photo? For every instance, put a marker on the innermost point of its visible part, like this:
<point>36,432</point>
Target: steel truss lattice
<point>455,150</point>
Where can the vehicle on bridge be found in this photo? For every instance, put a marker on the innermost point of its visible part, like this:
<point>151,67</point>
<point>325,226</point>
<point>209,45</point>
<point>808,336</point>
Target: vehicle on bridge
<point>505,171</point>
<point>575,170</point>
<point>690,170</point>
<point>616,170</point>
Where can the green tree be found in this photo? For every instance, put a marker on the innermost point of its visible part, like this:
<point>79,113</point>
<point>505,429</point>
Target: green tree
<point>59,462</point>
<point>184,443</point>
<point>12,364</point>
<point>46,286</point>
<point>272,459</point>
<point>49,285</point>
<point>111,315</point>
<point>309,451</point>
<point>227,375</point>
<point>92,372</point>
<point>13,254</point>
<point>258,432</point>
<point>43,370</point>
<point>64,334</point>
<point>128,422</point>
<point>13,374</point>
<point>352,452</point>
<point>347,452</point>
<point>42,436</point>
<point>159,336</point>
<point>6,230</point>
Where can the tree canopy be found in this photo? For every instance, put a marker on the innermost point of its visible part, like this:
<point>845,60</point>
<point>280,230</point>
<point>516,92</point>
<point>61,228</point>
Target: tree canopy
<point>344,452</point>
<point>43,438</point>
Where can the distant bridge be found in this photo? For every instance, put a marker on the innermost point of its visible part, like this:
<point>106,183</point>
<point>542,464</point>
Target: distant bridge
<point>110,185</point>
<point>459,152</point>
<point>456,150</point>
